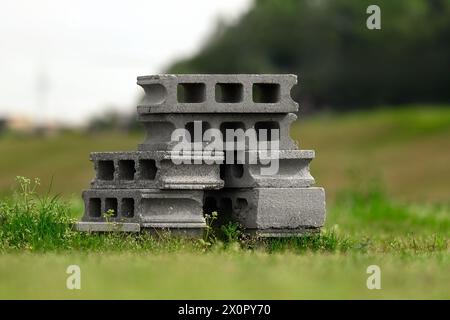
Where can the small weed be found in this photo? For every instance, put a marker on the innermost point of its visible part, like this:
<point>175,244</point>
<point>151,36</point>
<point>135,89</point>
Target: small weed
<point>209,236</point>
<point>231,231</point>
<point>108,215</point>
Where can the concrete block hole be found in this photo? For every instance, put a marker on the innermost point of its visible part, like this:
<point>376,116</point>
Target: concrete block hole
<point>126,169</point>
<point>226,206</point>
<point>230,126</point>
<point>148,169</point>
<point>266,92</point>
<point>229,92</point>
<point>95,207</point>
<point>191,92</point>
<point>127,208</point>
<point>190,127</point>
<point>111,204</point>
<point>241,204</point>
<point>237,170</point>
<point>210,205</point>
<point>268,126</point>
<point>105,170</point>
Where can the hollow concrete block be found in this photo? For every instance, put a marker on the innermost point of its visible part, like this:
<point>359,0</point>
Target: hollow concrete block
<point>217,93</point>
<point>156,169</point>
<point>159,128</point>
<point>270,211</point>
<point>150,208</point>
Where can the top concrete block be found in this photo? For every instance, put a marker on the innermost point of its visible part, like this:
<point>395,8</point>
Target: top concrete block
<point>217,93</point>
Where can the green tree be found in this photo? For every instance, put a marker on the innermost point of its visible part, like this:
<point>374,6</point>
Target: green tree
<point>341,64</point>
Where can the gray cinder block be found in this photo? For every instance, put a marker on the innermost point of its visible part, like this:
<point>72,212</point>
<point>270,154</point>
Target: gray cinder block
<point>270,211</point>
<point>156,169</point>
<point>151,208</point>
<point>292,170</point>
<point>216,93</point>
<point>159,127</point>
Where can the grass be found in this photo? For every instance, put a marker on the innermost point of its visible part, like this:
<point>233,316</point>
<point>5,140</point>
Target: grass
<point>236,275</point>
<point>401,225</point>
<point>410,244</point>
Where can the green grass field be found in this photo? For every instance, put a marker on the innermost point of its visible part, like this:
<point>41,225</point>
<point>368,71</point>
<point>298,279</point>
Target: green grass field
<point>386,175</point>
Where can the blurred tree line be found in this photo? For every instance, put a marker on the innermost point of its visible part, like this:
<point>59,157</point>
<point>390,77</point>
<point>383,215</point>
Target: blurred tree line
<point>341,64</point>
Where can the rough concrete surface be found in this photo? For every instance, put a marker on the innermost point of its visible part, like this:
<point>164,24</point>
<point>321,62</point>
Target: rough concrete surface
<point>281,209</point>
<point>155,189</point>
<point>156,169</point>
<point>217,93</point>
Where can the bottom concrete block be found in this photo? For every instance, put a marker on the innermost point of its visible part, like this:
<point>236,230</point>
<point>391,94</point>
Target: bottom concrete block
<point>148,208</point>
<point>270,210</point>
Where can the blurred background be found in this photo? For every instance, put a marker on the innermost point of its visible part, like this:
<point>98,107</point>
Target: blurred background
<point>374,104</point>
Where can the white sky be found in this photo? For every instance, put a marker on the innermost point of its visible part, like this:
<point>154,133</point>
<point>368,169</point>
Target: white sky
<point>89,52</point>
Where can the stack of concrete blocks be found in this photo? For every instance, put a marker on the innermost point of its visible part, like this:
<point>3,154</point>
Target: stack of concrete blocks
<point>147,190</point>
